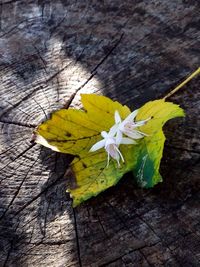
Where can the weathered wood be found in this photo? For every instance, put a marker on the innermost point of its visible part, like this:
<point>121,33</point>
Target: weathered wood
<point>132,51</point>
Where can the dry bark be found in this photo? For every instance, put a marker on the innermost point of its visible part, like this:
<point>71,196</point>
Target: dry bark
<point>132,51</point>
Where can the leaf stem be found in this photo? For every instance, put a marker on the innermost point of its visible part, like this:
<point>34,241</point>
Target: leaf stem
<point>195,73</point>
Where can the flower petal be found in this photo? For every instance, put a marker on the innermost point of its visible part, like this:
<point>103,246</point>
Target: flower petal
<point>144,134</point>
<point>117,117</point>
<point>104,134</point>
<point>127,141</point>
<point>141,123</point>
<point>112,151</point>
<point>113,130</point>
<point>134,134</point>
<point>97,146</point>
<point>119,137</point>
<point>132,116</point>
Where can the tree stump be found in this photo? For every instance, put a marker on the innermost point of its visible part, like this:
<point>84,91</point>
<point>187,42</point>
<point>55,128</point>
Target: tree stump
<point>133,52</point>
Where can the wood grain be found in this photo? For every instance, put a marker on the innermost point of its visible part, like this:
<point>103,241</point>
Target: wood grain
<point>132,51</point>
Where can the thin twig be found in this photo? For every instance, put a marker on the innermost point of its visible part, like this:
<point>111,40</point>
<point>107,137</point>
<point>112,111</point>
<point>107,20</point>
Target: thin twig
<point>195,73</point>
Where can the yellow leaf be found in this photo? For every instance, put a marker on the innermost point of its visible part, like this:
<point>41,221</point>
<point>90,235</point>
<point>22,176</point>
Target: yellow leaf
<point>92,176</point>
<point>75,131</point>
<point>160,112</point>
<point>146,170</point>
<point>101,109</point>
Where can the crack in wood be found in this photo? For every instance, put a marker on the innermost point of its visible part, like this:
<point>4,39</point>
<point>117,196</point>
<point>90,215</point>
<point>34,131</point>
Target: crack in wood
<point>8,254</point>
<point>183,149</point>
<point>94,71</point>
<point>21,110</point>
<point>30,125</point>
<point>18,189</point>
<point>77,238</point>
<point>43,229</point>
<point>26,97</point>
<point>120,257</point>
<point>18,156</point>
<point>101,225</point>
<point>121,219</point>
<point>38,195</point>
<point>13,146</point>
<point>10,2</point>
<point>16,26</point>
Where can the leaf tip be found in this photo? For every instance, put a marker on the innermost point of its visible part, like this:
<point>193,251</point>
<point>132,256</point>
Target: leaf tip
<point>42,141</point>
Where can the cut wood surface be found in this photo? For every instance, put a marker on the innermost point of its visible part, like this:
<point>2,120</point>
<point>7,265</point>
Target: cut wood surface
<point>132,51</point>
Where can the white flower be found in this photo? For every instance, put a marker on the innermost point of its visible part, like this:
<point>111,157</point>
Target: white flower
<point>114,138</point>
<point>128,126</point>
<point>110,145</point>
